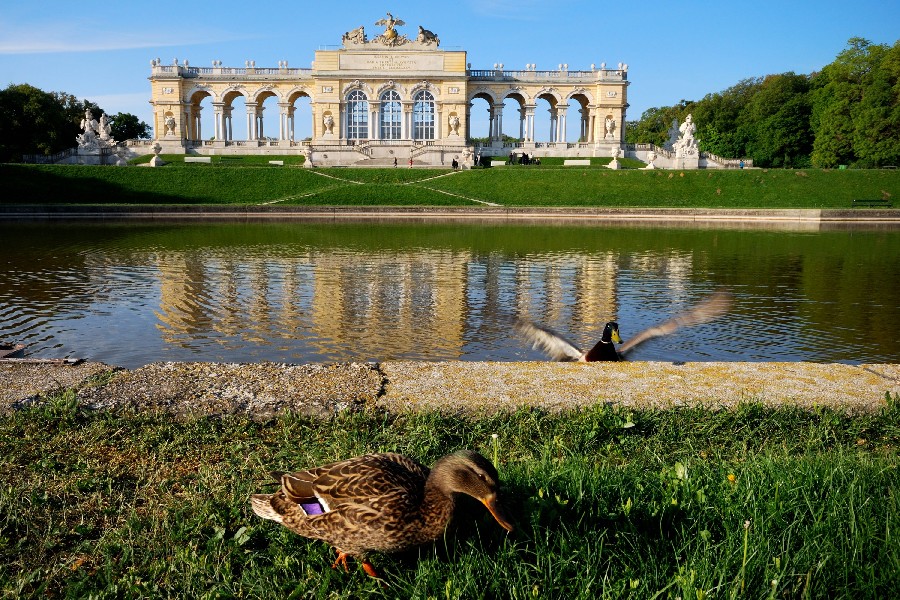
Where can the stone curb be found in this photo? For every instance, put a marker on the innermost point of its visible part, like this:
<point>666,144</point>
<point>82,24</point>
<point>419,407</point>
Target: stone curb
<point>632,214</point>
<point>262,390</point>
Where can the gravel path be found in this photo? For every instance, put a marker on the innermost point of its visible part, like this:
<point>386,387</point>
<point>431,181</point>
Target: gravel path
<point>261,390</point>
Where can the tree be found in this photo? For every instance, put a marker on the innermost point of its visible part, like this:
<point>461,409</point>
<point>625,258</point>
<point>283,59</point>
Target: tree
<point>779,117</point>
<point>653,128</point>
<point>33,122</point>
<point>126,126</point>
<point>856,107</point>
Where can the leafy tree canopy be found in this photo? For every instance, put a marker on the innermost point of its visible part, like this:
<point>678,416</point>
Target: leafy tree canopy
<point>846,114</point>
<point>39,122</point>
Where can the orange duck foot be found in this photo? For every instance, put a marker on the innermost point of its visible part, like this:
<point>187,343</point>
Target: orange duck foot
<point>341,560</point>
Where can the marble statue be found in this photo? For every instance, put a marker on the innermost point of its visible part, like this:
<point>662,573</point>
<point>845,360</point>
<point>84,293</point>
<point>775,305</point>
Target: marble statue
<point>328,122</point>
<point>170,125</point>
<point>88,139</point>
<point>686,145</point>
<point>104,128</point>
<point>427,37</point>
<point>390,37</point>
<point>610,127</point>
<point>454,125</point>
<point>674,134</point>
<point>356,36</point>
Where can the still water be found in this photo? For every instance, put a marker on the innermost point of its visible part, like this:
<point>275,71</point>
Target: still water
<point>129,293</point>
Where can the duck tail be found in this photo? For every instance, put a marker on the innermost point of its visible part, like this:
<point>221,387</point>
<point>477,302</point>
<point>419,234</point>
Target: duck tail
<point>262,506</point>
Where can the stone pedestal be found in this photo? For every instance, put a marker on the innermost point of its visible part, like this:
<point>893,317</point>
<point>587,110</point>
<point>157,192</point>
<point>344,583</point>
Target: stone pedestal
<point>614,164</point>
<point>688,162</point>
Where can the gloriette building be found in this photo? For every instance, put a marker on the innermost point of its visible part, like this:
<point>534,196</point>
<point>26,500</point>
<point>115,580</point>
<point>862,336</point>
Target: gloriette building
<point>385,97</point>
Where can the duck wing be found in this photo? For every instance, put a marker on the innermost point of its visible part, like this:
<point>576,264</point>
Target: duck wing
<point>364,480</point>
<point>711,308</point>
<point>550,342</point>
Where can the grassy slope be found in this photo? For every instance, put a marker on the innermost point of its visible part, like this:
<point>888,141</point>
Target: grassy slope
<point>607,504</point>
<point>510,186</point>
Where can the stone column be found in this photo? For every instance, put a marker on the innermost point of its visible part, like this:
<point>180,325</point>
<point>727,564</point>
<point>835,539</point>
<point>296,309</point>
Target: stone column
<point>522,120</point>
<point>251,123</point>
<point>439,121</point>
<point>592,121</point>
<point>283,118</point>
<point>219,120</point>
<point>490,124</point>
<point>554,129</point>
<point>497,110</point>
<point>406,123</point>
<point>529,122</point>
<point>260,134</point>
<point>561,123</point>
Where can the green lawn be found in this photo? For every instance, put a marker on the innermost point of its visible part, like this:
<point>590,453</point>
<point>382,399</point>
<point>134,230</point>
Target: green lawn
<point>507,186</point>
<point>687,503</point>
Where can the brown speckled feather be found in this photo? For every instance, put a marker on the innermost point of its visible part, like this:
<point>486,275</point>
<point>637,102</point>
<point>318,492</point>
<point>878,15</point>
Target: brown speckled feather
<point>385,502</point>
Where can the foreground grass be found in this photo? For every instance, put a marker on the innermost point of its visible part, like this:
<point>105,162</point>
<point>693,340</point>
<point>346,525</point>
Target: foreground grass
<point>751,503</point>
<point>507,186</point>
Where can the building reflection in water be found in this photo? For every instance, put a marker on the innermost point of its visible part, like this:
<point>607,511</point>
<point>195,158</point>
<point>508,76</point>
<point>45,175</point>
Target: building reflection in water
<point>425,303</point>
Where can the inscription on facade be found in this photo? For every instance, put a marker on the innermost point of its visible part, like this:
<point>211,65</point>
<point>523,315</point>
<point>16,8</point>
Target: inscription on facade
<point>392,62</point>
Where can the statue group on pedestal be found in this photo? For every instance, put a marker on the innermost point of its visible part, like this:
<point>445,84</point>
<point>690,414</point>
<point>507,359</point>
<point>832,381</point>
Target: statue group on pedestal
<point>95,134</point>
<point>390,37</point>
<point>681,138</point>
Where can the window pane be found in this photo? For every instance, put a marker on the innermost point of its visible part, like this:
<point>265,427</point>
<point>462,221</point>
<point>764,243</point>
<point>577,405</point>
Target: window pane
<point>423,116</point>
<point>357,116</point>
<point>391,116</point>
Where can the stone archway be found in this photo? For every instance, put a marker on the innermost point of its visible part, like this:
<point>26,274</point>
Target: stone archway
<point>580,117</point>
<point>479,122</point>
<point>195,115</point>
<point>297,100</point>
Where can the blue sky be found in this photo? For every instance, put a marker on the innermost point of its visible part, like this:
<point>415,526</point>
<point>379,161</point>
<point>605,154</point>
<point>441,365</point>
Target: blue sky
<point>675,50</point>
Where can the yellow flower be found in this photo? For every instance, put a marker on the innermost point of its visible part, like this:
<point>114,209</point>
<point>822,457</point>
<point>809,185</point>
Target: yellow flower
<point>732,478</point>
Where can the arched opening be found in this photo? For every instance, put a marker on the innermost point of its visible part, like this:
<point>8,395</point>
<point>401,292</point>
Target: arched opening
<point>513,118</point>
<point>200,123</point>
<point>233,103</point>
<point>479,121</point>
<point>357,116</point>
<point>578,122</point>
<point>266,126</point>
<point>298,118</point>
<point>545,118</point>
<point>390,116</point>
<point>423,116</point>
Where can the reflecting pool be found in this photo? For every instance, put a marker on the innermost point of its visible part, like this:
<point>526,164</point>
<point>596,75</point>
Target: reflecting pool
<point>130,293</point>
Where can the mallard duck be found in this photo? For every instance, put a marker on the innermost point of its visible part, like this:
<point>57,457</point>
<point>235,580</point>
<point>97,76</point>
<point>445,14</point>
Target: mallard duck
<point>379,502</point>
<point>559,348</point>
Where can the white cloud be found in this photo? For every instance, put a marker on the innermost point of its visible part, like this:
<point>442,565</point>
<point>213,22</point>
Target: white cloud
<point>72,37</point>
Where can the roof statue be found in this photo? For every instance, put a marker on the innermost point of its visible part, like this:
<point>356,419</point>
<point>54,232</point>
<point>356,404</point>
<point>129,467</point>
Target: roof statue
<point>391,37</point>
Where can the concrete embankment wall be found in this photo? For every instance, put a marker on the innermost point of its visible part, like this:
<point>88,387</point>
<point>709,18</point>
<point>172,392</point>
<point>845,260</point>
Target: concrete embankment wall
<point>787,218</point>
<point>262,390</point>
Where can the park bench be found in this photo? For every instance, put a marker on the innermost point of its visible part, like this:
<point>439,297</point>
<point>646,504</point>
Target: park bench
<point>198,159</point>
<point>498,163</point>
<point>277,163</point>
<point>872,203</point>
<point>577,162</point>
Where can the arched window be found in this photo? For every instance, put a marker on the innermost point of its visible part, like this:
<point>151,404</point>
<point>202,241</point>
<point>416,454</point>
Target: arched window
<point>357,116</point>
<point>423,116</point>
<point>391,115</point>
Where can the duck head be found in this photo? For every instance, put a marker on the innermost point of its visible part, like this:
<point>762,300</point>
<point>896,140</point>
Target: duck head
<point>611,333</point>
<point>467,472</point>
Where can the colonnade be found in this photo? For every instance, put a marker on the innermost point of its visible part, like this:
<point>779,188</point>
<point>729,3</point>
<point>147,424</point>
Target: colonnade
<point>224,123</point>
<point>558,123</point>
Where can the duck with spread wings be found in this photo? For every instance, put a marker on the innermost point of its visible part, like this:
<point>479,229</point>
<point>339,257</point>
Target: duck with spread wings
<point>561,349</point>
